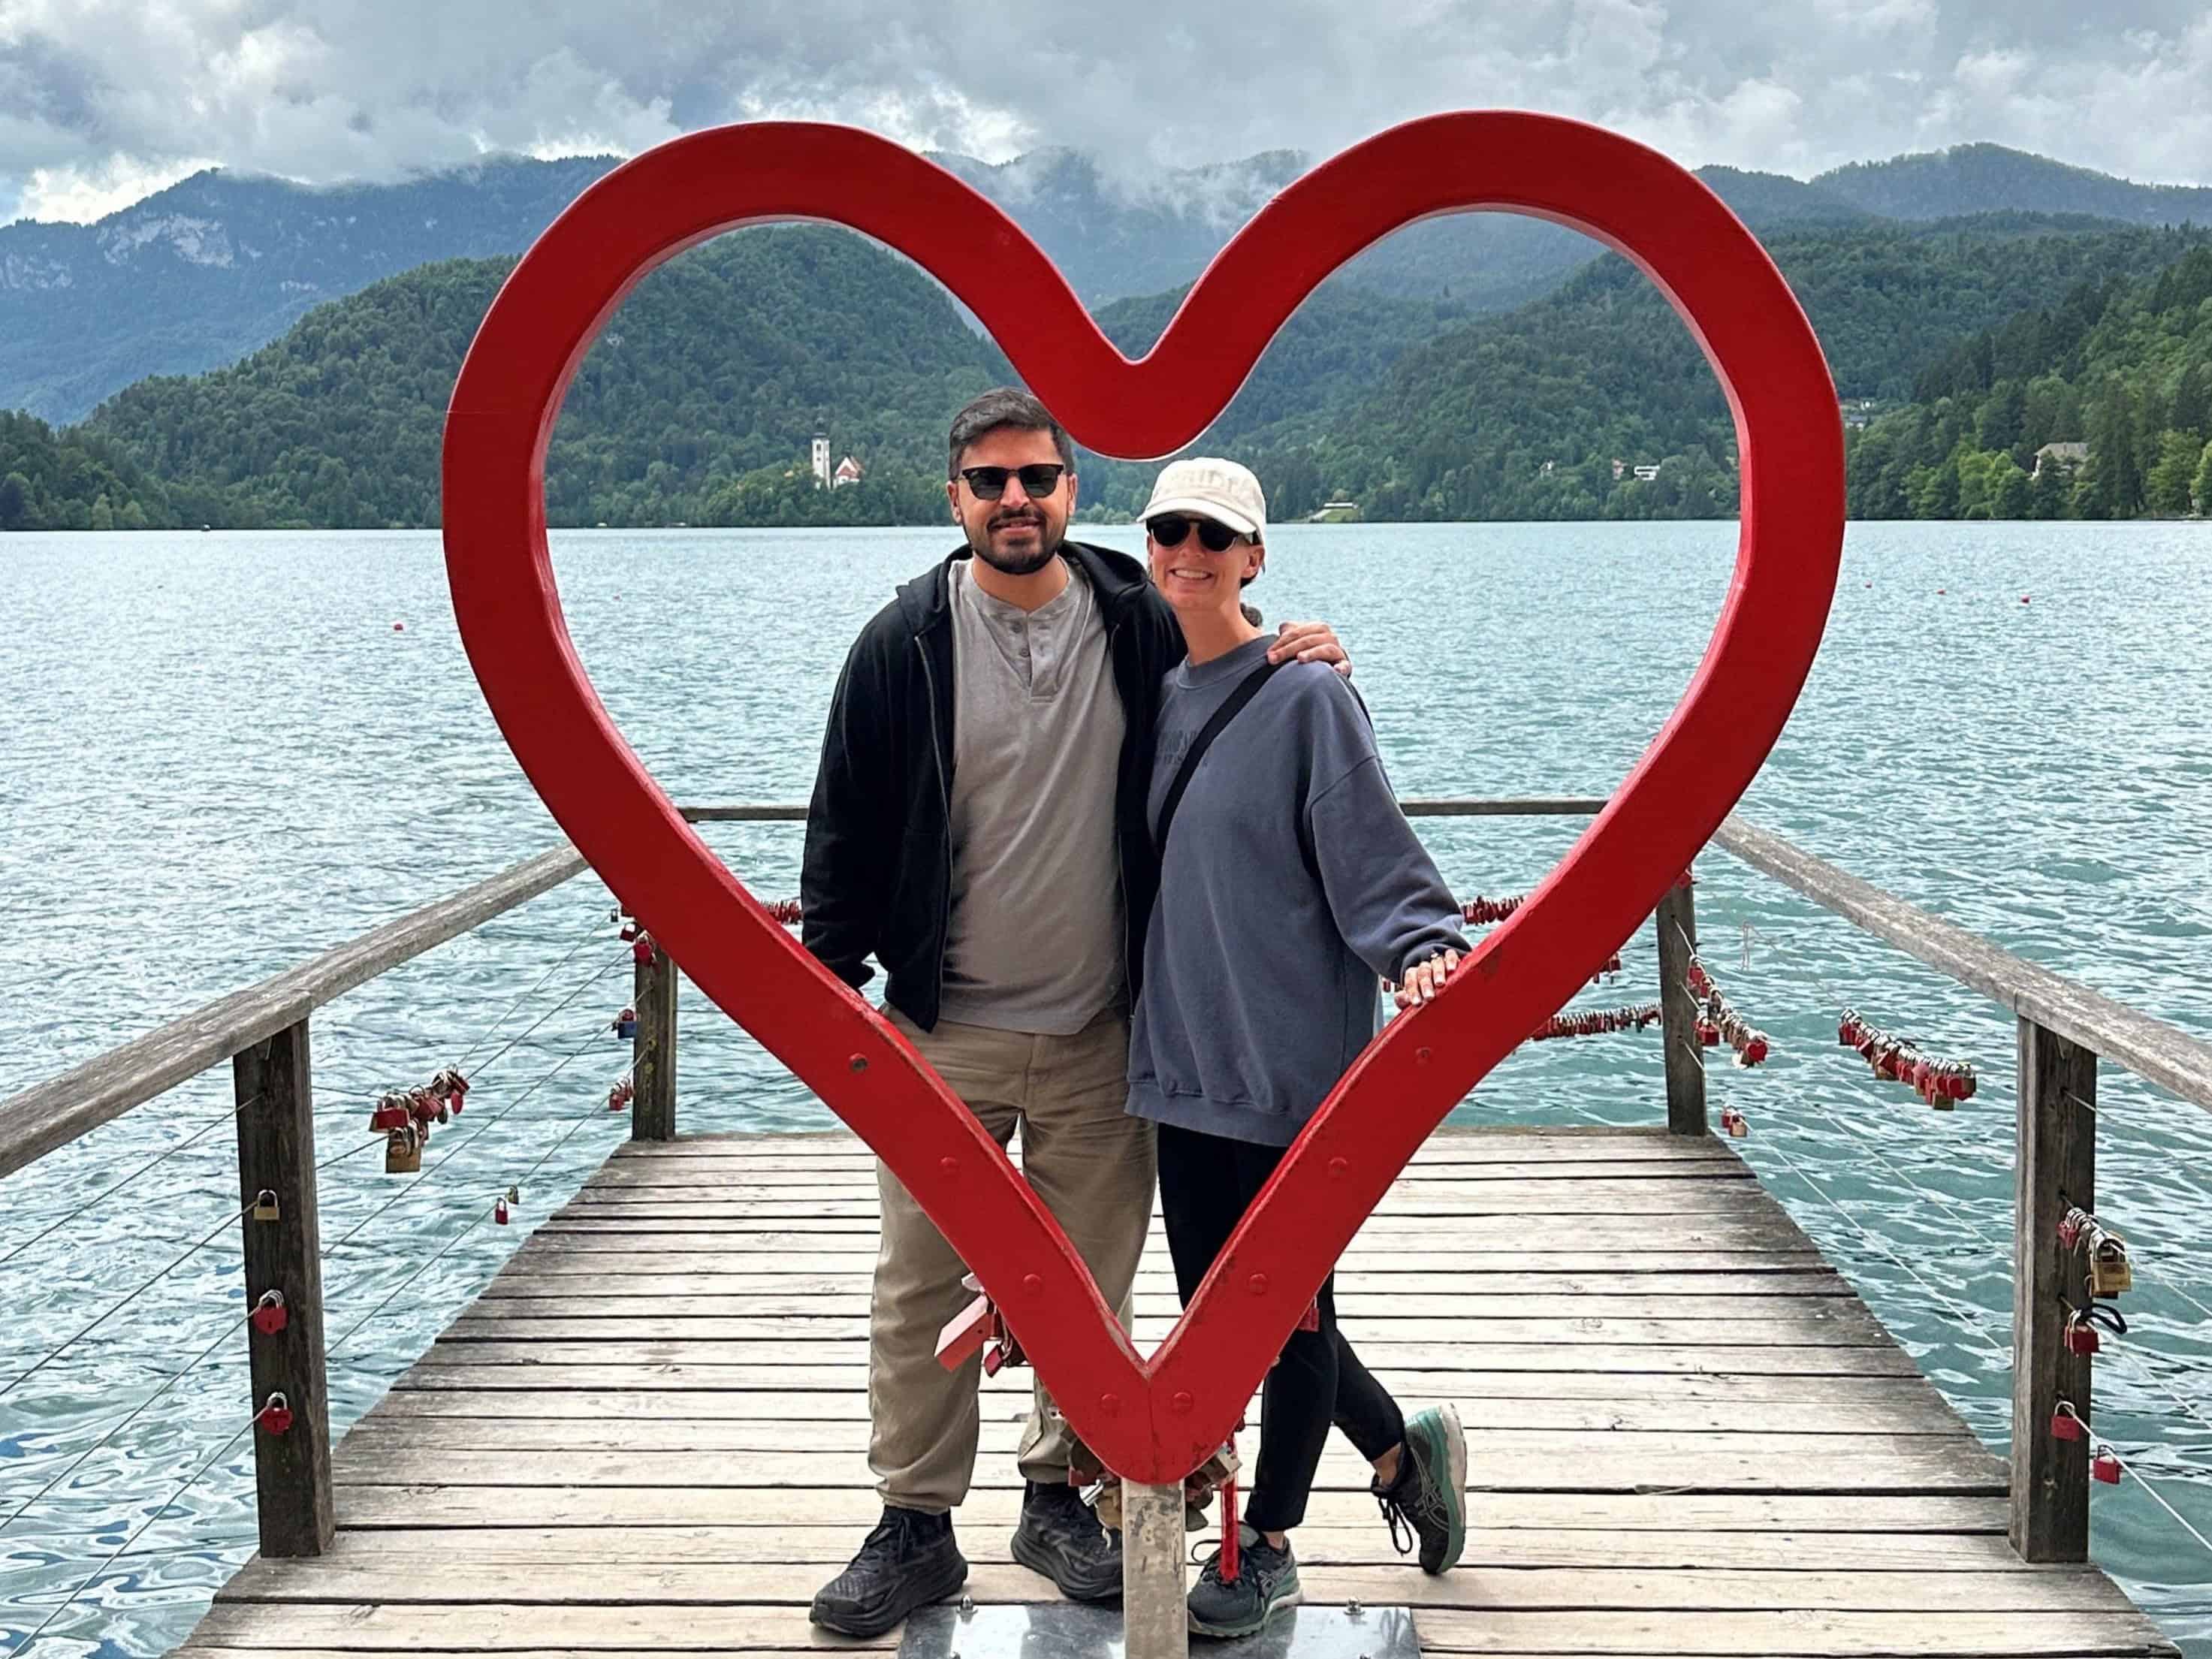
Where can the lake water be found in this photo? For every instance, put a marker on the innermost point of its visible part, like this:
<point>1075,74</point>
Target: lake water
<point>223,759</point>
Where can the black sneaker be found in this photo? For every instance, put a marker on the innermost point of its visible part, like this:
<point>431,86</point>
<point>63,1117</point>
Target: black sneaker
<point>908,1561</point>
<point>1266,1578</point>
<point>1059,1536</point>
<point>1428,1500</point>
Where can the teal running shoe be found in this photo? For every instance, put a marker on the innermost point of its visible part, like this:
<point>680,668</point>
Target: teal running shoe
<point>1427,1502</point>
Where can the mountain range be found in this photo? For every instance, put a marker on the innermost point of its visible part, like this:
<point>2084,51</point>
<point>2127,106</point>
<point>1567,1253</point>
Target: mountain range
<point>696,403</point>
<point>219,264</point>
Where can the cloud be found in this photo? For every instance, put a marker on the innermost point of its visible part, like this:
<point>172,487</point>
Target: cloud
<point>102,97</point>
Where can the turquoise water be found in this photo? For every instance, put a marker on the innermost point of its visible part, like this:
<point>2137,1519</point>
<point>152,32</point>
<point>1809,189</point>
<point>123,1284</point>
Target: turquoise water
<point>222,759</point>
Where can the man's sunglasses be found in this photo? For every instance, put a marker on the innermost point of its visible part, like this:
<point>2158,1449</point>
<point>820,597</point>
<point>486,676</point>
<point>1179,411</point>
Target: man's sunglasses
<point>1170,528</point>
<point>989,483</point>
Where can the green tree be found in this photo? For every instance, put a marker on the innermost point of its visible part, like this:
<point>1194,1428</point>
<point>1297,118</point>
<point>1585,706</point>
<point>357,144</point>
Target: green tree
<point>2192,400</point>
<point>15,502</point>
<point>2115,477</point>
<point>2167,486</point>
<point>2203,485</point>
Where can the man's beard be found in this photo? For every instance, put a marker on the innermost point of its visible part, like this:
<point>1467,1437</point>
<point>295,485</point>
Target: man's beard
<point>1019,565</point>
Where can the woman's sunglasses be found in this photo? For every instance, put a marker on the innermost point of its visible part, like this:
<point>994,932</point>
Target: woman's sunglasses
<point>1170,528</point>
<point>989,483</point>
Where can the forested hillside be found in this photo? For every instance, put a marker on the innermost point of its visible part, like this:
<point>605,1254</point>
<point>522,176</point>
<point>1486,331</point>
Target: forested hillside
<point>2124,368</point>
<point>1523,417</point>
<point>697,403</point>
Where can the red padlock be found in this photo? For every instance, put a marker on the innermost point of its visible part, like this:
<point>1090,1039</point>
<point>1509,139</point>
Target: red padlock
<point>1310,1319</point>
<point>2069,1229</point>
<point>2106,1466</point>
<point>387,1118</point>
<point>277,1415</point>
<point>269,1315</point>
<point>2081,1336</point>
<point>641,951</point>
<point>1734,1124</point>
<point>1708,1034</point>
<point>2064,1425</point>
<point>499,1210</point>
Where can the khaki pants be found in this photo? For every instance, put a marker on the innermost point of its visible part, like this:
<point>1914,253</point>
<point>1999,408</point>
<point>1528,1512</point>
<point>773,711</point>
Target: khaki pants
<point>1092,1165</point>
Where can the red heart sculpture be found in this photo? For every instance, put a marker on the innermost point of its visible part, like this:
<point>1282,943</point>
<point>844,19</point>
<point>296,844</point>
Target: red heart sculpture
<point>1150,1421</point>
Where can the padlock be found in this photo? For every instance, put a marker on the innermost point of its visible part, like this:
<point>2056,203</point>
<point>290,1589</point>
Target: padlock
<point>403,1151</point>
<point>499,1210</point>
<point>1310,1319</point>
<point>625,1023</point>
<point>629,930</point>
<point>515,1194</point>
<point>269,1315</point>
<point>2106,1466</point>
<point>2064,1425</point>
<point>641,951</point>
<point>2070,1227</point>
<point>2109,1272</point>
<point>452,1084</point>
<point>264,1206</point>
<point>2081,1335</point>
<point>276,1416</point>
<point>391,1112</point>
<point>1733,1123</point>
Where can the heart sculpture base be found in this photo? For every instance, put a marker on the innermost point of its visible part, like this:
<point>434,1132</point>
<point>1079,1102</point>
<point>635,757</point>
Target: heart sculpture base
<point>1154,1419</point>
<point>1070,1630</point>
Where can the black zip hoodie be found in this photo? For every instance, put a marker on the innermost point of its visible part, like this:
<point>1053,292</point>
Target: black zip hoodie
<point>877,876</point>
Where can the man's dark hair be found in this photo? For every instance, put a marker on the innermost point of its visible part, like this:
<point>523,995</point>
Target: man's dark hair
<point>1004,406</point>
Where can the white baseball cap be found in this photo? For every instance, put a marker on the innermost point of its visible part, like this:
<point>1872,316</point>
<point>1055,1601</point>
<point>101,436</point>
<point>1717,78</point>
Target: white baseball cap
<point>1213,488</point>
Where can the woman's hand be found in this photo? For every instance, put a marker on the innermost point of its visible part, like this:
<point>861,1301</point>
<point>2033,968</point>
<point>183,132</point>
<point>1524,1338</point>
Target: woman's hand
<point>1424,979</point>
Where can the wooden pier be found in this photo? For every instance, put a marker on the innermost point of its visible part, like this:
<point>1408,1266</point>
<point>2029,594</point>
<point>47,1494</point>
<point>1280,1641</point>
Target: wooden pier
<point>1687,1435</point>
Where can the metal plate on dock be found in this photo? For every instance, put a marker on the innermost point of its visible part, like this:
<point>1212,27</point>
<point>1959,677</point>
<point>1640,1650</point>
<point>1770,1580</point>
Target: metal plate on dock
<point>1069,1629</point>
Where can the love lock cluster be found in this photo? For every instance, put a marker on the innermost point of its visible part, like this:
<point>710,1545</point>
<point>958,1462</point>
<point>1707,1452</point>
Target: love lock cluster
<point>404,1118</point>
<point>2109,1272</point>
<point>622,1094</point>
<point>1718,1021</point>
<point>1594,1021</point>
<point>785,911</point>
<point>1480,912</point>
<point>1941,1083</point>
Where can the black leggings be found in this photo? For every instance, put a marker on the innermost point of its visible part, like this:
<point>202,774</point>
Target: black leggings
<point>1206,1183</point>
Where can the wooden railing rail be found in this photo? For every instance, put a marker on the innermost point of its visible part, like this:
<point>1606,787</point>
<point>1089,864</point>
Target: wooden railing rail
<point>2063,1029</point>
<point>2153,1050</point>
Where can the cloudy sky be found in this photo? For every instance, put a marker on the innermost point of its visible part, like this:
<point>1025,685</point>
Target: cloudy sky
<point>102,101</point>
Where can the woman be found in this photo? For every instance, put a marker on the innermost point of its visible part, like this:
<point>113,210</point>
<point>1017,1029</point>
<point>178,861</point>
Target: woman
<point>1289,882</point>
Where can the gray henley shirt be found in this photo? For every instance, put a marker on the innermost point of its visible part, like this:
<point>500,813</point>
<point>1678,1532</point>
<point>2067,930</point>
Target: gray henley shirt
<point>1035,939</point>
<point>1291,882</point>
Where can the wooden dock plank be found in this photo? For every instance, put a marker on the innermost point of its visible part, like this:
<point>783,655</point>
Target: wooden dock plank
<point>1687,1435</point>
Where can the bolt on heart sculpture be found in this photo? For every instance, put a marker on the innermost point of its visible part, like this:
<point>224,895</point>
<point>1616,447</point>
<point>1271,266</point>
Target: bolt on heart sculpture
<point>1150,1421</point>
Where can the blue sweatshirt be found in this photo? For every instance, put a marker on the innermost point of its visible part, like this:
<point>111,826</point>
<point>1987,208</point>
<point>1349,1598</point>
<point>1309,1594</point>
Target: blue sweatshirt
<point>1291,883</point>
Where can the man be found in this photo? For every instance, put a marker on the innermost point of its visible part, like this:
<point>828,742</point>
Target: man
<point>978,827</point>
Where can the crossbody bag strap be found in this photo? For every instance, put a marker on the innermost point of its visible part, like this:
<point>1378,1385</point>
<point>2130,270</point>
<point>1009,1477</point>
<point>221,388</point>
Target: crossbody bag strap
<point>1231,705</point>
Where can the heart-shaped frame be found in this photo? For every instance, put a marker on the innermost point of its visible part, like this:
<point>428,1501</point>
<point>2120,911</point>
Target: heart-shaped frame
<point>1152,1421</point>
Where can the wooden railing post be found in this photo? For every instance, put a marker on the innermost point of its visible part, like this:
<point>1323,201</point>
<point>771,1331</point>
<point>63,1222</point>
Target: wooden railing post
<point>1676,920</point>
<point>284,1254</point>
<point>2056,1169</point>
<point>653,1059</point>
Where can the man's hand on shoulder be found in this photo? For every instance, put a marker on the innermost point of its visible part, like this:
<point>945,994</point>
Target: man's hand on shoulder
<point>1309,641</point>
